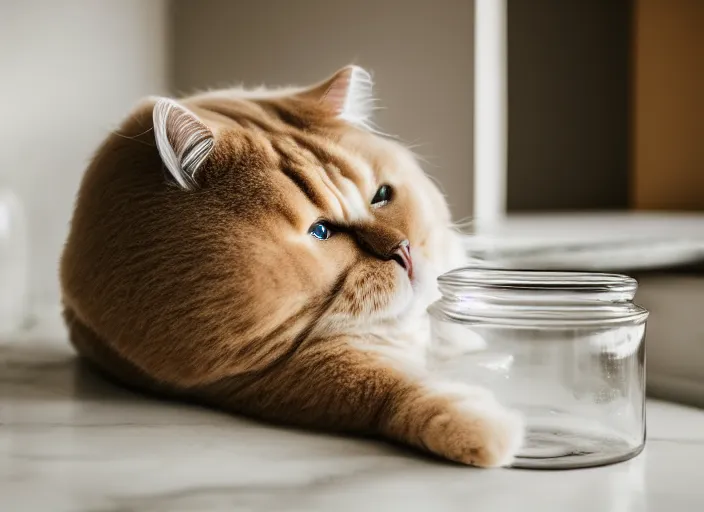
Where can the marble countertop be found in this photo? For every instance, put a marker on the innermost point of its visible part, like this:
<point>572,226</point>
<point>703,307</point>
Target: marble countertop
<point>71,441</point>
<point>597,241</point>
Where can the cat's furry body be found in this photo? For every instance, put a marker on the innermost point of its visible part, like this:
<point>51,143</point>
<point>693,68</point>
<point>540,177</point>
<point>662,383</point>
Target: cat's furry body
<point>208,285</point>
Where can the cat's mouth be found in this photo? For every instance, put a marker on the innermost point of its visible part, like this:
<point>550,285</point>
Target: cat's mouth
<point>402,256</point>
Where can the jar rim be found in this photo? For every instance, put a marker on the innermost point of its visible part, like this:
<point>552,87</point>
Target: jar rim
<point>537,297</point>
<point>538,280</point>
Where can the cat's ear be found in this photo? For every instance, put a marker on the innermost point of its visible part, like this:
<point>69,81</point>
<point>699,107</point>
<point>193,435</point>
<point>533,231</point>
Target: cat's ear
<point>183,140</point>
<point>349,95</point>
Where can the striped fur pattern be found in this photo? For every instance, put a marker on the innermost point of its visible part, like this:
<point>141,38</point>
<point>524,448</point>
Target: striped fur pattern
<point>217,292</point>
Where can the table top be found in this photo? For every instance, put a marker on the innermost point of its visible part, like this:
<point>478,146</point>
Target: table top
<point>71,441</point>
<point>621,241</point>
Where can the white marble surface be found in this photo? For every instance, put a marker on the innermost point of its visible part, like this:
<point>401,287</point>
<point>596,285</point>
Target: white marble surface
<point>594,241</point>
<point>71,441</point>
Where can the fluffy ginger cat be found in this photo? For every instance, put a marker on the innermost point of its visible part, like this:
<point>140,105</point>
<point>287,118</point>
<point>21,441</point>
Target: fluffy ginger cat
<point>267,253</point>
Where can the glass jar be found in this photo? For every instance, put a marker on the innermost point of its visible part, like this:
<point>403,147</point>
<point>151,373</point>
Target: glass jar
<point>13,263</point>
<point>566,349</point>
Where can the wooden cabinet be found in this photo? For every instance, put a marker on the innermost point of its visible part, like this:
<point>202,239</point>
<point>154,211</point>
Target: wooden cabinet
<point>667,161</point>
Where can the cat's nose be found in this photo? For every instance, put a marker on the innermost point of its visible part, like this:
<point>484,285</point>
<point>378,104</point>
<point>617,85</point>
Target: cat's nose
<point>402,256</point>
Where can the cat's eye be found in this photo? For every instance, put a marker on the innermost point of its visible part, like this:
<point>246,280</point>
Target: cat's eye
<point>382,196</point>
<point>320,230</point>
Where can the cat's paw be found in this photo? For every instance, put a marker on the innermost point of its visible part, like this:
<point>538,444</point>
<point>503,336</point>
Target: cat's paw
<point>476,430</point>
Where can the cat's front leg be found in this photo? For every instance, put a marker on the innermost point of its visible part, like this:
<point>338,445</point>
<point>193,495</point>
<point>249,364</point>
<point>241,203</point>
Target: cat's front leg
<point>459,422</point>
<point>334,385</point>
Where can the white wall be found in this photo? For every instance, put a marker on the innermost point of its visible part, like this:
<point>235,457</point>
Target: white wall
<point>69,71</point>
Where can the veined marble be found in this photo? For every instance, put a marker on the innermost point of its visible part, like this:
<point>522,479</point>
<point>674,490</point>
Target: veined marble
<point>70,441</point>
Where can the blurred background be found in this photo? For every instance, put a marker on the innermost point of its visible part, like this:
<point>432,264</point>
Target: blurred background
<point>604,103</point>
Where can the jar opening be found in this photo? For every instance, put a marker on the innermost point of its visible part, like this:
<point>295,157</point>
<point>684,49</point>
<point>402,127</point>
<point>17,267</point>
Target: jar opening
<point>538,296</point>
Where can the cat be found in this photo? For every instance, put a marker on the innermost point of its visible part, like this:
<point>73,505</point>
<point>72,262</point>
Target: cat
<point>271,254</point>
